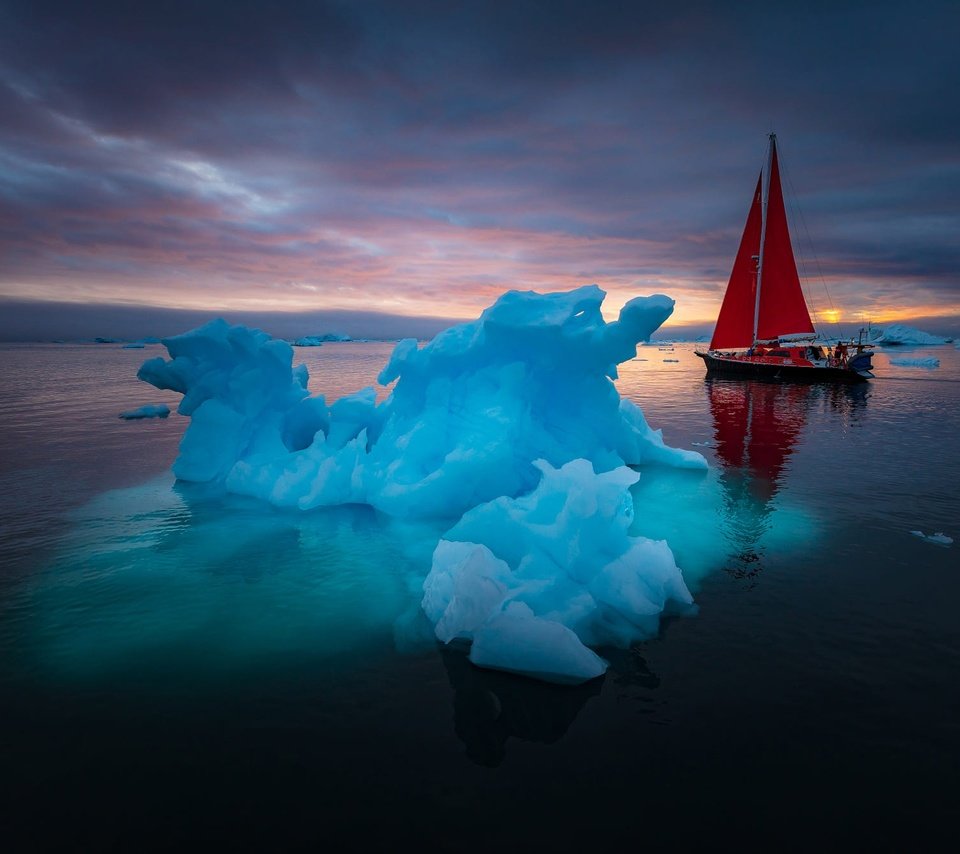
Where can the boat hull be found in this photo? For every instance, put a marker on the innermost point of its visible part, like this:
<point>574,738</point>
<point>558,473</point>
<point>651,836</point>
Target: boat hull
<point>732,367</point>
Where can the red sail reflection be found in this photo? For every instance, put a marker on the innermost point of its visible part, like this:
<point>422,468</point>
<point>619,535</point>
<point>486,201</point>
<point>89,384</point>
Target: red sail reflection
<point>756,426</point>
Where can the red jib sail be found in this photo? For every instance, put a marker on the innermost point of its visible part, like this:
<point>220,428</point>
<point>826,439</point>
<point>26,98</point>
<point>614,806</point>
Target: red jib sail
<point>783,310</point>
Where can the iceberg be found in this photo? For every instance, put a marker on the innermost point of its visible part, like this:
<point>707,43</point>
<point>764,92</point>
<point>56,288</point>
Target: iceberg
<point>318,340</point>
<point>556,568</point>
<point>929,362</point>
<point>509,427</point>
<point>151,410</point>
<point>898,334</point>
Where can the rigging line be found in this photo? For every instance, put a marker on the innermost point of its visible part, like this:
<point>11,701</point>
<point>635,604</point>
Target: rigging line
<point>790,199</point>
<point>795,204</point>
<point>798,217</point>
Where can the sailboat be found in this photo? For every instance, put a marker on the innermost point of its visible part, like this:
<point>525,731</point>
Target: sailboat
<point>764,328</point>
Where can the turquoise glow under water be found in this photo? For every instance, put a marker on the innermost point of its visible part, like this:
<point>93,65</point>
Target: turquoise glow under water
<point>209,584</point>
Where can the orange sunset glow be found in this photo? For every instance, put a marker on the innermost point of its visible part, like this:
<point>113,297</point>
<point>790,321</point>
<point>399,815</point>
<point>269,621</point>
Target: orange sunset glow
<point>373,185</point>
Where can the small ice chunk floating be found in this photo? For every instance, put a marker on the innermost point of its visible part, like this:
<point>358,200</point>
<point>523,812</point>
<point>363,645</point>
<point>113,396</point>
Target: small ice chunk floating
<point>510,423</point>
<point>939,537</point>
<point>926,362</point>
<point>150,410</point>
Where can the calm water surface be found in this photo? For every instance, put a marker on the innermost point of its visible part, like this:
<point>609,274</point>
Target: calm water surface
<point>177,667</point>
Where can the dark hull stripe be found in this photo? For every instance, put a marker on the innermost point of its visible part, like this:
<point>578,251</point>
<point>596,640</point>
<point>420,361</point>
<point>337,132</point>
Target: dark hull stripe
<point>799,373</point>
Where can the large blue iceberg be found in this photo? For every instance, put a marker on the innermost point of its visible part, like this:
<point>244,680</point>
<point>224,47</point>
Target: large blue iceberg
<point>509,426</point>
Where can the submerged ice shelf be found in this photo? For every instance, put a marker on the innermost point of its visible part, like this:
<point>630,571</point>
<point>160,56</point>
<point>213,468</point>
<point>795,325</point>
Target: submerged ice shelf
<point>510,424</point>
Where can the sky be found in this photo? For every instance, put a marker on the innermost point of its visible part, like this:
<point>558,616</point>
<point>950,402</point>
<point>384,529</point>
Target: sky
<point>339,160</point>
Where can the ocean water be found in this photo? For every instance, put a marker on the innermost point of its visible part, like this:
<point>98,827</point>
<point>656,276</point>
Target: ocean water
<point>179,667</point>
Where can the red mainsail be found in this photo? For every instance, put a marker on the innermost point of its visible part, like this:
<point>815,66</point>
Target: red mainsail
<point>782,309</point>
<point>735,323</point>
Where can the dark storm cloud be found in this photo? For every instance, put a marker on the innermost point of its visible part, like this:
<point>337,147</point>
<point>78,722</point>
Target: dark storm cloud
<point>129,67</point>
<point>159,68</point>
<point>428,154</point>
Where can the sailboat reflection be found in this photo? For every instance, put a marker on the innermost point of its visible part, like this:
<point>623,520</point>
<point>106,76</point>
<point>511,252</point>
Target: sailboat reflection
<point>756,426</point>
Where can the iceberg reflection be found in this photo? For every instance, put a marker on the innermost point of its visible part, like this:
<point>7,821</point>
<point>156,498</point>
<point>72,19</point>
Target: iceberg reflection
<point>491,707</point>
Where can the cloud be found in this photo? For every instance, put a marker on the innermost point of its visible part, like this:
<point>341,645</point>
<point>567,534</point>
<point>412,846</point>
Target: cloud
<point>25,320</point>
<point>424,156</point>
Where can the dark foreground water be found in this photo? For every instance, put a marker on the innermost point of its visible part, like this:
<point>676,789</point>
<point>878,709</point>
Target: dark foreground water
<point>179,668</point>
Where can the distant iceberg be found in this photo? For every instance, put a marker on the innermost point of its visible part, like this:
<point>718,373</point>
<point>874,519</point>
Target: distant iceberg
<point>318,340</point>
<point>510,423</point>
<point>133,345</point>
<point>158,410</point>
<point>896,334</point>
<point>916,363</point>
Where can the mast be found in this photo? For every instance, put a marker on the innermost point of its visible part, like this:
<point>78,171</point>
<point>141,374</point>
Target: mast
<point>763,231</point>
